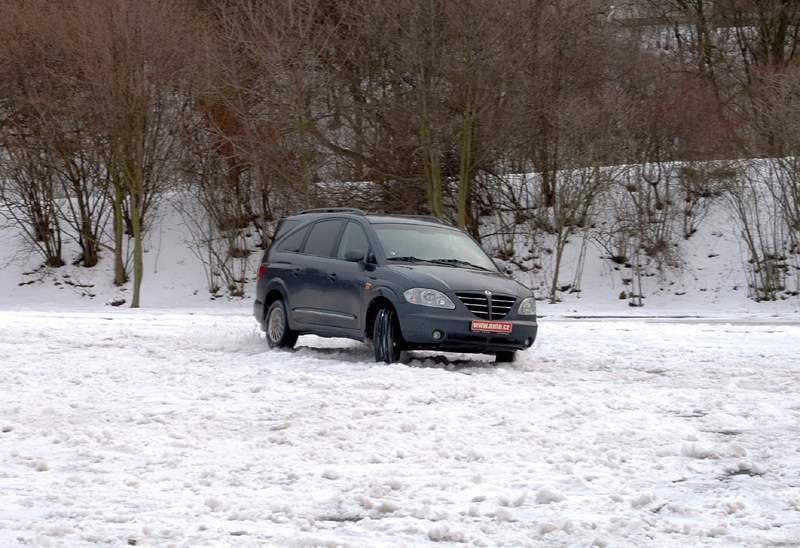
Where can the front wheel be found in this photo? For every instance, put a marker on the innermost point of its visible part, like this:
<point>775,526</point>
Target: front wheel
<point>278,333</point>
<point>386,338</point>
<point>505,357</point>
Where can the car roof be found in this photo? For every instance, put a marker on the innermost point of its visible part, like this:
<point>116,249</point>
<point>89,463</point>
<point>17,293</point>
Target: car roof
<point>371,217</point>
<point>406,219</point>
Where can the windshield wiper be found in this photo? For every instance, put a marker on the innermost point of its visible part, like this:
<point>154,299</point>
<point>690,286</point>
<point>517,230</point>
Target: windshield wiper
<point>457,262</point>
<point>407,259</point>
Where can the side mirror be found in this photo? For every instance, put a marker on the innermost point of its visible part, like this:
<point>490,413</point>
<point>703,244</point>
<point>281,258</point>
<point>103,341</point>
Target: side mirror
<point>354,255</point>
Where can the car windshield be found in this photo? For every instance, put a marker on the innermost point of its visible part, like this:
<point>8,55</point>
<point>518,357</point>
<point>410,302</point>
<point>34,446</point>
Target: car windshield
<point>439,245</point>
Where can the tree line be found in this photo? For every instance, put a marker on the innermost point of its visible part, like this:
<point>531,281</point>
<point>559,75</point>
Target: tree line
<point>631,113</point>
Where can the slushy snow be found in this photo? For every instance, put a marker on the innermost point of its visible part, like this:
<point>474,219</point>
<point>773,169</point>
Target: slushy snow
<point>177,428</point>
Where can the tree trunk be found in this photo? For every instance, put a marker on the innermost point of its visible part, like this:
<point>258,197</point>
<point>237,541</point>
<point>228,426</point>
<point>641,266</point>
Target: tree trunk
<point>134,184</point>
<point>88,243</point>
<point>433,173</point>
<point>86,237</point>
<point>557,271</point>
<point>548,188</point>
<point>305,172</point>
<point>465,171</point>
<point>119,266</point>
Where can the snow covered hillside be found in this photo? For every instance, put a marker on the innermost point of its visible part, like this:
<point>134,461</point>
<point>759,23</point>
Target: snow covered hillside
<point>177,429</point>
<point>711,281</point>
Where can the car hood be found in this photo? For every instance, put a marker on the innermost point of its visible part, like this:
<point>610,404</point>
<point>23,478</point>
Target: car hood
<point>446,278</point>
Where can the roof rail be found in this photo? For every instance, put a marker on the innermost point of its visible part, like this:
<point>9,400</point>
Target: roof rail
<point>353,210</point>
<point>429,218</point>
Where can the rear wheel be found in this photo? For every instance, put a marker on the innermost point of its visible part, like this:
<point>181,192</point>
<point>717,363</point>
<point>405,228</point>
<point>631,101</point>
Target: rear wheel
<point>505,356</point>
<point>278,333</point>
<point>386,338</point>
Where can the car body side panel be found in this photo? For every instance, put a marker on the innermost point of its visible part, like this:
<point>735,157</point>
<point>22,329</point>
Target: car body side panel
<point>320,305</point>
<point>348,288</point>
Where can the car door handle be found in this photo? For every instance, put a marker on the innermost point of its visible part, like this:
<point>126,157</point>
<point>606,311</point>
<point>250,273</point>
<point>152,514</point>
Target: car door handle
<point>332,276</point>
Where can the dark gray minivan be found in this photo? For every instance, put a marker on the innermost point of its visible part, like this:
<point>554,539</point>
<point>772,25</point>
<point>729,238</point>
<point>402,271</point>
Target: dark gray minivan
<point>403,282</point>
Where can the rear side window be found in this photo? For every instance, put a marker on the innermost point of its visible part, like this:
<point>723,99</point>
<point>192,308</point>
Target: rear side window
<point>284,226</point>
<point>323,237</point>
<point>293,242</point>
<point>353,239</point>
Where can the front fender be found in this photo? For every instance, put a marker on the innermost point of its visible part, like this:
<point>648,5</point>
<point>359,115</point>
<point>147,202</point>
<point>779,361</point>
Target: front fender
<point>377,292</point>
<point>386,292</point>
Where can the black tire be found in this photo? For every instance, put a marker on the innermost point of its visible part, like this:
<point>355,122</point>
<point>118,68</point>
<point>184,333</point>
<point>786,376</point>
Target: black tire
<point>508,356</point>
<point>276,325</point>
<point>386,338</point>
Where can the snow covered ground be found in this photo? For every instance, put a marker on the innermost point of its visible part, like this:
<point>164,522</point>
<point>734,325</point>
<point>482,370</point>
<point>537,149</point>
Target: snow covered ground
<point>173,425</point>
<point>176,428</point>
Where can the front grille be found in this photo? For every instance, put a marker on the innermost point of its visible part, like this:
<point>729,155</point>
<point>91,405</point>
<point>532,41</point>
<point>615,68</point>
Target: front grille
<point>495,307</point>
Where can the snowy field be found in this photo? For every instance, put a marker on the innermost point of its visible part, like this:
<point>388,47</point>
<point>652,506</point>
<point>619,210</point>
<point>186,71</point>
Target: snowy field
<point>171,428</point>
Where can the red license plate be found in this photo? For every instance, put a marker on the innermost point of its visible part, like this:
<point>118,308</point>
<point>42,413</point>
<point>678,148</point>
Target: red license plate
<point>491,327</point>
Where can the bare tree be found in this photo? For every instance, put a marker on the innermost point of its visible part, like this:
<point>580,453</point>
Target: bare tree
<point>28,190</point>
<point>28,179</point>
<point>131,62</point>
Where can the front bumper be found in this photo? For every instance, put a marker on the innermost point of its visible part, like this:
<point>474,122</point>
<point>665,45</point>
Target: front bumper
<point>417,325</point>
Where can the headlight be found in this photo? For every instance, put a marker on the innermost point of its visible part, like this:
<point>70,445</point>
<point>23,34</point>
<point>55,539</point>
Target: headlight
<point>527,307</point>
<point>428,297</point>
